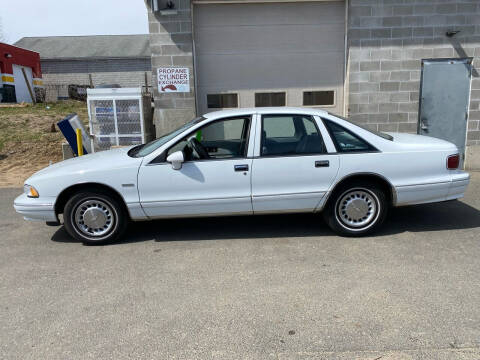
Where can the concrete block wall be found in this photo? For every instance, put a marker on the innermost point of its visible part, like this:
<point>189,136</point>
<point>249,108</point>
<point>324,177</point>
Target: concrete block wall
<point>388,39</point>
<point>171,46</point>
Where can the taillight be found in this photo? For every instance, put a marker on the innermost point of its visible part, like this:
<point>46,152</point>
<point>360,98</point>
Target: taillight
<point>453,161</point>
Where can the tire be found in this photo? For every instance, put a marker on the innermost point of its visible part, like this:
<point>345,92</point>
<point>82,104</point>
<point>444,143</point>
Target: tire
<point>95,218</point>
<point>357,209</point>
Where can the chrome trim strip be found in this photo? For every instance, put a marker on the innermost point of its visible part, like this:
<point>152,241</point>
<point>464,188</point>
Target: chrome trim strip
<point>32,205</point>
<point>423,184</point>
<point>290,194</point>
<point>186,200</point>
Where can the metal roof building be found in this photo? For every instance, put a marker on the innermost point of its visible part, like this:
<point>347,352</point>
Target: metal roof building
<point>87,60</point>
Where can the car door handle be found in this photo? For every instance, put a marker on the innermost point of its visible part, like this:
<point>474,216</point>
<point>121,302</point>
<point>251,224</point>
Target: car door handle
<point>322,163</point>
<point>241,167</point>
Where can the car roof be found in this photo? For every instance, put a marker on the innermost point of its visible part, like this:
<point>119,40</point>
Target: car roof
<point>264,110</point>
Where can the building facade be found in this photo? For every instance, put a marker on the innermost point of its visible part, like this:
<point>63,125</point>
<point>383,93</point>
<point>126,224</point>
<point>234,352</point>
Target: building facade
<point>20,75</point>
<point>392,65</point>
<point>90,60</point>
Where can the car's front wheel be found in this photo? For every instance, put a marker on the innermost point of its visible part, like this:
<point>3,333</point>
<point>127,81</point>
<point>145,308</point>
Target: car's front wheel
<point>95,218</point>
<point>356,210</point>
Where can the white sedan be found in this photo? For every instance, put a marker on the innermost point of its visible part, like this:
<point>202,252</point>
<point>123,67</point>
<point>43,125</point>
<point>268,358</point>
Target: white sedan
<point>247,161</point>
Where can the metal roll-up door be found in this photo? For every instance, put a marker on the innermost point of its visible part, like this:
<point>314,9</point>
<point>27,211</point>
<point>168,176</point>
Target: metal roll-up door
<point>267,49</point>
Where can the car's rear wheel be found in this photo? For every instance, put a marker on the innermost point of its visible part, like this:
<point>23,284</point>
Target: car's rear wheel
<point>95,218</point>
<point>356,209</point>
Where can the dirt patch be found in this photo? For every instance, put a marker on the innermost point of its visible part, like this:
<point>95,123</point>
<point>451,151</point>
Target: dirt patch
<point>26,141</point>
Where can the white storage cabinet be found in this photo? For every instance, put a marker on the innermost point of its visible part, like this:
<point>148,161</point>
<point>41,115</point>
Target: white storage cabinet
<point>119,117</point>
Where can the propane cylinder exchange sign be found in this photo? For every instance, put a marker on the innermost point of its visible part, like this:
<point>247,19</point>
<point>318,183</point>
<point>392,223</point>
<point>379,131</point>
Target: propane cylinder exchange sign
<point>173,79</point>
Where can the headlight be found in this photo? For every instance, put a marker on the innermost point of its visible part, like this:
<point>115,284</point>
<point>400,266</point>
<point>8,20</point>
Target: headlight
<point>30,191</point>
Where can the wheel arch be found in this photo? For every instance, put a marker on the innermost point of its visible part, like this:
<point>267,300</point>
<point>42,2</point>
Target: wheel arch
<point>68,192</point>
<point>380,180</point>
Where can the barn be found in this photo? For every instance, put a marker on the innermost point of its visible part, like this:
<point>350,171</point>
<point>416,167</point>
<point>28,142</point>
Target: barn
<point>90,60</point>
<point>20,75</point>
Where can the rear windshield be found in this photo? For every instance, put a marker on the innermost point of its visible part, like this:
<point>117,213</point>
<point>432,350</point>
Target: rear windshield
<point>378,133</point>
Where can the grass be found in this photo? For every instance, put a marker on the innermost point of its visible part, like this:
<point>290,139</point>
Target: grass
<point>33,123</point>
<point>61,108</point>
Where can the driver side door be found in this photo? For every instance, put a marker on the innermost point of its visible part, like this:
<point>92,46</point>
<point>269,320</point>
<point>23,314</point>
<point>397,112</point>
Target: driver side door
<point>216,183</point>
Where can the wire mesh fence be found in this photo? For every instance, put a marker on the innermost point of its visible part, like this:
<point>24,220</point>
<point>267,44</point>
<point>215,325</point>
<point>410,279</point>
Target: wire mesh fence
<point>55,92</point>
<point>115,123</point>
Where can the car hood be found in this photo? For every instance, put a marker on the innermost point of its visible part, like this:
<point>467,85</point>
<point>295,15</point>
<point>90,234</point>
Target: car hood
<point>91,162</point>
<point>415,141</point>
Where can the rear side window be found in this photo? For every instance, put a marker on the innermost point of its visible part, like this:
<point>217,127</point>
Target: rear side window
<point>345,140</point>
<point>278,126</point>
<point>290,135</point>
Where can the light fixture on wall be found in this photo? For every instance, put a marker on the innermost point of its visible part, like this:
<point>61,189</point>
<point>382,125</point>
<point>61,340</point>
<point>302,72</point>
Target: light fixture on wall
<point>163,7</point>
<point>8,55</point>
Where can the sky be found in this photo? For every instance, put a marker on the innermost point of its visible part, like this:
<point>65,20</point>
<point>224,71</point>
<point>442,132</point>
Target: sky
<point>22,18</point>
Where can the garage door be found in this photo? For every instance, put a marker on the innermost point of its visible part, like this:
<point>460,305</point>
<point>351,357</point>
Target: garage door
<point>21,87</point>
<point>270,54</point>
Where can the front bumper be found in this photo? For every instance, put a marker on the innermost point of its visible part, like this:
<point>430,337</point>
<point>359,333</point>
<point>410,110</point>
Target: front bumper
<point>35,209</point>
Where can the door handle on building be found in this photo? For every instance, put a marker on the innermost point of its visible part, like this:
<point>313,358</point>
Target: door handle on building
<point>424,124</point>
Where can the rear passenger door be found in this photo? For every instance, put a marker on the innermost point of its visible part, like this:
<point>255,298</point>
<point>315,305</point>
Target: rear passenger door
<point>291,170</point>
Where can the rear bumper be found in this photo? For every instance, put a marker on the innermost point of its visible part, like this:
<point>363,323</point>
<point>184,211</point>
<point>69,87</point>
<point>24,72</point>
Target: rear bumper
<point>452,188</point>
<point>458,186</point>
<point>35,209</point>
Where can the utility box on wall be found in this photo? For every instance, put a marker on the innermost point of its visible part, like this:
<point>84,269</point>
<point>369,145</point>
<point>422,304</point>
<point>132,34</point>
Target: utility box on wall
<point>119,117</point>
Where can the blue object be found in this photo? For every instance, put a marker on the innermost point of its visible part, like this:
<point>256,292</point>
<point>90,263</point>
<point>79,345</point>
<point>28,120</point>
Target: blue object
<point>68,127</point>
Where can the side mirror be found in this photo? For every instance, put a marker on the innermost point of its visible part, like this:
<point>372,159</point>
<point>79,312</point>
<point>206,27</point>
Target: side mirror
<point>176,159</point>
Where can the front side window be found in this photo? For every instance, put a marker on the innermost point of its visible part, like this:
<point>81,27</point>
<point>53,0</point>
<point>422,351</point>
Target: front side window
<point>222,139</point>
<point>345,140</point>
<point>290,135</point>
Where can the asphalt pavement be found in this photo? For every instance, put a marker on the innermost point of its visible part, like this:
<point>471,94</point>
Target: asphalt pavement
<point>266,287</point>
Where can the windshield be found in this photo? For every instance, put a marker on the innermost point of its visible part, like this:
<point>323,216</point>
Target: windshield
<point>378,133</point>
<point>148,148</point>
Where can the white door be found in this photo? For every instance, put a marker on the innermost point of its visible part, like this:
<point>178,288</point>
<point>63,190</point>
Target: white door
<point>21,89</point>
<point>269,54</point>
<point>214,179</point>
<point>292,170</point>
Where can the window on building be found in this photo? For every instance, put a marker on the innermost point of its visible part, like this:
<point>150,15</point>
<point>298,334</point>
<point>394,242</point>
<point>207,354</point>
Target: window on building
<point>270,99</point>
<point>290,135</point>
<point>319,98</point>
<point>222,101</point>
<point>346,141</point>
